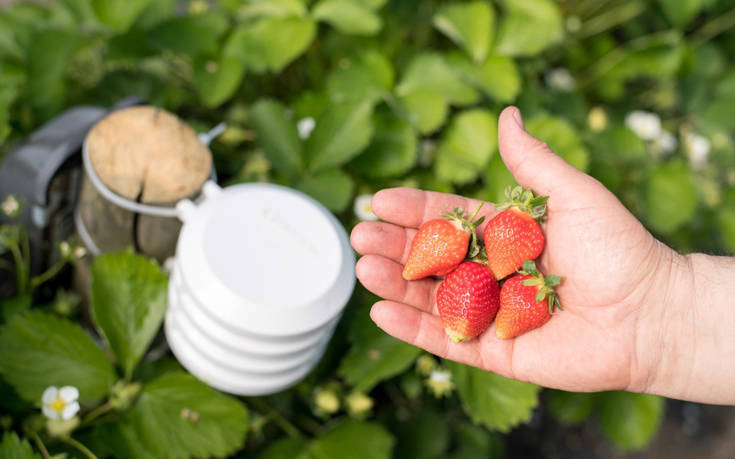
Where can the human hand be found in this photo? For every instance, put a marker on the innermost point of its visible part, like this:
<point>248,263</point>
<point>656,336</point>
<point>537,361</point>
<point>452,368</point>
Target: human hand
<point>614,272</point>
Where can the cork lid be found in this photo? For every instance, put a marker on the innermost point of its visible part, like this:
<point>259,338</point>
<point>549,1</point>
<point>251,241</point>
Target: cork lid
<point>148,154</point>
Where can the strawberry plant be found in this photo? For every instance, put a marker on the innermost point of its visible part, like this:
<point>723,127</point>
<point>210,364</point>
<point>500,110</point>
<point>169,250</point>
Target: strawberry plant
<point>339,99</point>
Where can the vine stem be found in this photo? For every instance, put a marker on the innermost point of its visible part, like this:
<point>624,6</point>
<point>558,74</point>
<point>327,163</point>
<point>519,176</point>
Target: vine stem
<point>716,26</point>
<point>614,57</point>
<point>51,272</point>
<point>270,413</point>
<point>97,412</point>
<point>78,445</point>
<point>19,270</point>
<point>41,447</point>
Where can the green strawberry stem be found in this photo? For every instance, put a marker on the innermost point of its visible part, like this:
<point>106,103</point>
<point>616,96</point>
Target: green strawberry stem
<point>545,284</point>
<point>459,216</point>
<point>526,201</point>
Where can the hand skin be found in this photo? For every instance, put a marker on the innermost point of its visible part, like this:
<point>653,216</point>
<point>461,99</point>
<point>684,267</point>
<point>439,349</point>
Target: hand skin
<point>637,316</point>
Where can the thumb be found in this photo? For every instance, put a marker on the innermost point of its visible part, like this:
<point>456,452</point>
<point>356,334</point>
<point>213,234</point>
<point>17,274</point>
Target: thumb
<point>529,159</point>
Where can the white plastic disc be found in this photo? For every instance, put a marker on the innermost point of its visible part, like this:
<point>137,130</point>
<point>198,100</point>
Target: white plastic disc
<point>266,259</point>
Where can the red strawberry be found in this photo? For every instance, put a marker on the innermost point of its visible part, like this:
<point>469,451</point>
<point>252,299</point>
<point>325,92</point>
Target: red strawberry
<point>468,299</point>
<point>441,244</point>
<point>514,235</point>
<point>527,301</point>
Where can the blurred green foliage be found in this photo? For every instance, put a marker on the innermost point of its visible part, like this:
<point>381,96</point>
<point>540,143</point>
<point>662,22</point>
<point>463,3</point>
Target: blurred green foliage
<point>340,98</point>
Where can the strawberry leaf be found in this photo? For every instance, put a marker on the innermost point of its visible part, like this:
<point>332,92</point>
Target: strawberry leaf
<point>552,280</point>
<point>497,402</point>
<point>529,268</point>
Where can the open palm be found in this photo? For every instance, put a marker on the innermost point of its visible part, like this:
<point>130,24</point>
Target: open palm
<point>608,261</point>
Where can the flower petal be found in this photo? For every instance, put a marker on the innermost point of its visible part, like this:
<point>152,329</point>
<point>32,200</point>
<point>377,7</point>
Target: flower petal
<point>69,394</point>
<point>50,394</point>
<point>70,410</point>
<point>49,413</point>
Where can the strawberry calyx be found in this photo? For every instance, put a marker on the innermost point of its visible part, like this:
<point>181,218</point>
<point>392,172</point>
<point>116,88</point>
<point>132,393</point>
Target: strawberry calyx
<point>460,220</point>
<point>545,285</point>
<point>525,201</point>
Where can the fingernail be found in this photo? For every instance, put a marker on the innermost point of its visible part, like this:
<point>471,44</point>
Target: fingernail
<point>519,119</point>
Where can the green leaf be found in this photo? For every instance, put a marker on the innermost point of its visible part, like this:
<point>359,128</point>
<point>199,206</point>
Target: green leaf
<point>41,350</point>
<point>470,25</point>
<point>393,150</point>
<point>429,71</point>
<point>128,304</point>
<point>288,447</point>
<point>726,224</point>
<point>497,179</point>
<point>497,77</point>
<point>347,16</point>
<point>423,436</point>
<point>177,415</point>
<point>13,447</point>
<point>310,104</point>
<point>661,57</point>
<point>343,440</point>
<point>15,305</point>
<point>630,420</point>
<point>271,8</point>
<point>331,187</point>
<point>681,12</point>
<point>466,146</point>
<point>119,440</point>
<point>369,76</point>
<point>277,136</point>
<point>670,196</point>
<point>474,442</point>
<point>118,14</point>
<point>9,43</point>
<point>270,43</point>
<point>49,54</point>
<point>133,45</point>
<point>370,4</point>
<point>341,133</point>
<point>528,27</point>
<point>374,355</point>
<point>426,109</point>
<point>497,402</point>
<point>562,139</point>
<point>570,408</point>
<point>157,11</point>
<point>217,80</point>
<point>191,35</point>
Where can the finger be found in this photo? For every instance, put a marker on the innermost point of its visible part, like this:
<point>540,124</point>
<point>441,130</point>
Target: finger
<point>411,207</point>
<point>383,277</point>
<point>529,159</point>
<point>383,239</point>
<point>423,330</point>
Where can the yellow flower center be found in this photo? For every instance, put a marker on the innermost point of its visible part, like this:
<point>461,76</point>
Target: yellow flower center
<point>368,208</point>
<point>58,405</point>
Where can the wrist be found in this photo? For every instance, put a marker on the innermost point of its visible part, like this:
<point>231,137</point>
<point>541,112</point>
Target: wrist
<point>664,331</point>
<point>690,343</point>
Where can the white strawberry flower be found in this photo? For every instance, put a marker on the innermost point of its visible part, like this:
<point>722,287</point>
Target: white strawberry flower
<point>363,209</point>
<point>440,383</point>
<point>305,126</point>
<point>79,252</point>
<point>560,79</point>
<point>664,143</point>
<point>646,125</point>
<point>60,403</point>
<point>10,206</point>
<point>698,148</point>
